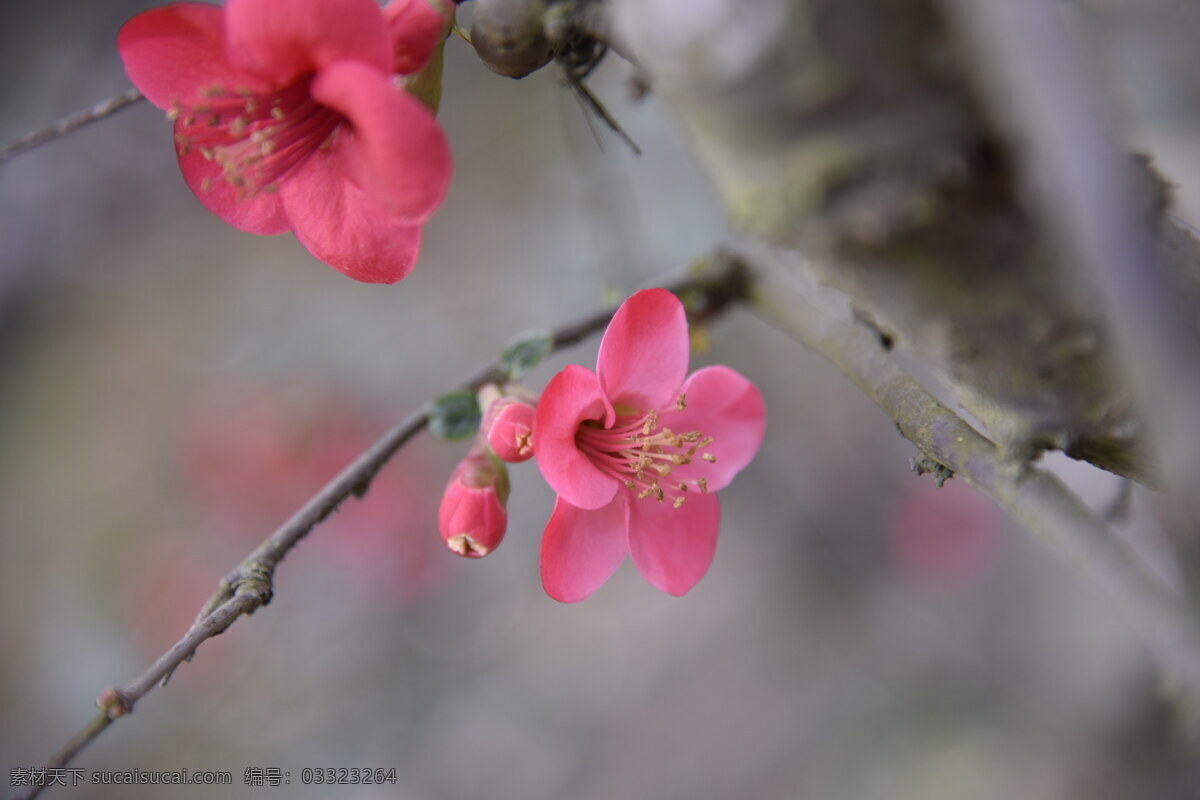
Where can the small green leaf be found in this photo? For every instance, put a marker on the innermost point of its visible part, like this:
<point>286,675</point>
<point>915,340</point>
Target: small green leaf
<point>526,353</point>
<point>454,416</point>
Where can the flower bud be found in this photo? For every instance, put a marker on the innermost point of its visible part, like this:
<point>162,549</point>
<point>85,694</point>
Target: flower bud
<point>471,518</point>
<point>510,36</point>
<point>508,429</point>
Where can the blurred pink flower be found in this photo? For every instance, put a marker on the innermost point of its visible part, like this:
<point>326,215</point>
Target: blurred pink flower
<point>947,536</point>
<point>471,518</point>
<point>255,454</point>
<point>173,581</point>
<point>603,443</point>
<point>287,118</point>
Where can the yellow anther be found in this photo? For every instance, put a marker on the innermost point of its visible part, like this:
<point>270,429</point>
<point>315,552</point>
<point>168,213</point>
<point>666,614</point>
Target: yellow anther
<point>678,501</point>
<point>703,484</point>
<point>710,458</point>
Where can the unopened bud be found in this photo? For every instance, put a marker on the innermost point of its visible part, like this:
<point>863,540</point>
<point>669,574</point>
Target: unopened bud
<point>472,519</point>
<point>508,429</point>
<point>510,36</point>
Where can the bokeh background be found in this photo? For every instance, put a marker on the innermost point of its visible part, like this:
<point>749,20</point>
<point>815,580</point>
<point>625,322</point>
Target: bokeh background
<point>170,389</point>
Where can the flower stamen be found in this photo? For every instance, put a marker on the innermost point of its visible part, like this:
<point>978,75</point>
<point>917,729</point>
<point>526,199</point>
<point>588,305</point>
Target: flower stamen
<point>257,139</point>
<point>639,452</point>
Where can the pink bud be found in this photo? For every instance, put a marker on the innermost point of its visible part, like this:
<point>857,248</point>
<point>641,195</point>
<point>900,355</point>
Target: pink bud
<point>471,519</point>
<point>508,429</point>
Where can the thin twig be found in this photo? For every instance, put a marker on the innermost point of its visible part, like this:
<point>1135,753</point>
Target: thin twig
<point>102,110</point>
<point>575,81</point>
<point>249,585</point>
<point>1037,500</point>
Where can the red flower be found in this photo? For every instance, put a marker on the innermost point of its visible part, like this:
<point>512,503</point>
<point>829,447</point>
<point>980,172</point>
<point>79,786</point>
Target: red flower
<point>471,518</point>
<point>636,454</point>
<point>287,118</point>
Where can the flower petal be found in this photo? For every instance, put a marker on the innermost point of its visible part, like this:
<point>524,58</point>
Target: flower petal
<point>725,405</point>
<point>581,548</point>
<point>390,145</point>
<point>644,354</point>
<point>571,397</point>
<point>416,27</point>
<point>673,547</point>
<point>339,224</point>
<point>261,214</point>
<point>281,39</point>
<point>173,53</point>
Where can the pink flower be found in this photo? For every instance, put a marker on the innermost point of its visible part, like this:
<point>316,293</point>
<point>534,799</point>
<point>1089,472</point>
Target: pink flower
<point>471,519</point>
<point>636,454</point>
<point>508,429</point>
<point>949,536</point>
<point>287,118</point>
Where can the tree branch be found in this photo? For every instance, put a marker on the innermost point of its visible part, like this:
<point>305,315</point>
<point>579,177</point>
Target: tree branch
<point>1037,500</point>
<point>102,110</point>
<point>249,585</point>
<point>1104,207</point>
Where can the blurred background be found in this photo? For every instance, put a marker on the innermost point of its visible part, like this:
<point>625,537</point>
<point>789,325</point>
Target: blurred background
<point>171,389</point>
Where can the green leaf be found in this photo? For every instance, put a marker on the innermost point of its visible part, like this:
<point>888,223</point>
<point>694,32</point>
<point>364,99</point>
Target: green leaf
<point>454,416</point>
<point>526,353</point>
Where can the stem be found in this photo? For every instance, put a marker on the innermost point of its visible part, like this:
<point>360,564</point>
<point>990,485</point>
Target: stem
<point>102,110</point>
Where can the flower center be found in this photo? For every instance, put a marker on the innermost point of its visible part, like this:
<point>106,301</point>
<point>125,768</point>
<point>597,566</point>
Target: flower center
<point>257,139</point>
<point>641,454</point>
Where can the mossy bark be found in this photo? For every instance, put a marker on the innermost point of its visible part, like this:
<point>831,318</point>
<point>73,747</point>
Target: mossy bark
<point>849,131</point>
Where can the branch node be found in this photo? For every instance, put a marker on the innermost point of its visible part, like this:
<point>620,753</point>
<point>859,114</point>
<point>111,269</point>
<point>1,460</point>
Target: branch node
<point>113,703</point>
<point>922,464</point>
<point>254,580</point>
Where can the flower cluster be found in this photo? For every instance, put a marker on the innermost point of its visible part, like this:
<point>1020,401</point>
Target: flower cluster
<point>317,116</point>
<point>636,452</point>
<point>288,116</point>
